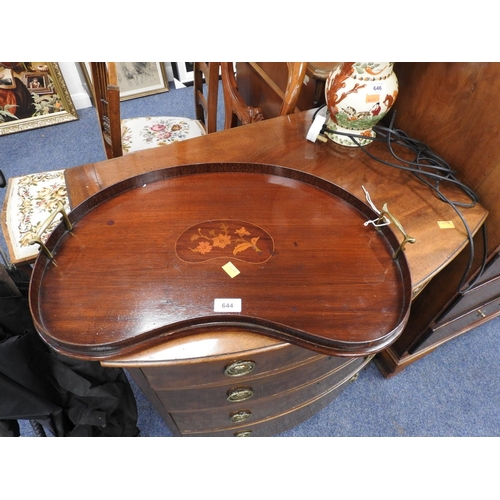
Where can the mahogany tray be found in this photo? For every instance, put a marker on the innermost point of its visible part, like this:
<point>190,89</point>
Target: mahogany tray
<point>179,251</point>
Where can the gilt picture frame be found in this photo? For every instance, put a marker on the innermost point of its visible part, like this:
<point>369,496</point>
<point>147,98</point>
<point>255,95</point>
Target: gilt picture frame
<point>33,95</point>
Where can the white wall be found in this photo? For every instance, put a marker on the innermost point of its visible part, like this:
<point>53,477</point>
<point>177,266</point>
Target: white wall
<point>77,86</point>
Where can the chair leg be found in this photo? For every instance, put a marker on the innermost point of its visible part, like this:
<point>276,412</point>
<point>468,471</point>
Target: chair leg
<point>37,429</point>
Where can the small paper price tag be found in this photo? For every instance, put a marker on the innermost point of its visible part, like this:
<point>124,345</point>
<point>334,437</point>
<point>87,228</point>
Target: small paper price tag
<point>375,91</point>
<point>231,269</point>
<point>446,224</point>
<point>227,305</point>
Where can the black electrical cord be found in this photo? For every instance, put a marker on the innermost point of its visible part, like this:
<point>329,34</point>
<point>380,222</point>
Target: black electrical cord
<point>430,169</point>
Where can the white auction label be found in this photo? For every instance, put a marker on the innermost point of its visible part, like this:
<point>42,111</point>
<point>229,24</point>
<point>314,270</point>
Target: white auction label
<point>376,88</point>
<point>227,305</point>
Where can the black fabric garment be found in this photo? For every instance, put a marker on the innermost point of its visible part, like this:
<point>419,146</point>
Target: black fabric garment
<point>9,428</point>
<point>68,397</point>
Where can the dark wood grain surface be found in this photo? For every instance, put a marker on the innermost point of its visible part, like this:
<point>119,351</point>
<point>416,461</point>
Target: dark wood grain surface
<point>453,107</point>
<point>281,141</point>
<point>150,252</point>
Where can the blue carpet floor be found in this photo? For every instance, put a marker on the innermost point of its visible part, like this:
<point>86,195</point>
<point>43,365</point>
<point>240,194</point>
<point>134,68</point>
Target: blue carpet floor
<point>454,391</point>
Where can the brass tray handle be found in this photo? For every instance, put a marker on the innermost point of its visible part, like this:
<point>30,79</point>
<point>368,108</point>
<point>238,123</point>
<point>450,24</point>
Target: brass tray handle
<point>406,237</point>
<point>38,237</point>
<point>384,218</point>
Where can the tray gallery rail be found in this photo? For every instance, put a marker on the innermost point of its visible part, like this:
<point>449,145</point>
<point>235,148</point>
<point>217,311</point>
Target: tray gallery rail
<point>263,248</point>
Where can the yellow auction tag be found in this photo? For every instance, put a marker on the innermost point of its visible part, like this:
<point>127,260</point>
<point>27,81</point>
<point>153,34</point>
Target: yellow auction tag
<point>231,269</point>
<point>446,224</point>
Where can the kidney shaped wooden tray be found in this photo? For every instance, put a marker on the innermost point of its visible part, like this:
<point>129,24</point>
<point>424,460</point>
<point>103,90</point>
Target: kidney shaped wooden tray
<point>177,251</point>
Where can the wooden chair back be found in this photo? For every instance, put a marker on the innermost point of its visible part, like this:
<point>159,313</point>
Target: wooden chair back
<point>236,108</point>
<point>206,77</point>
<point>107,102</point>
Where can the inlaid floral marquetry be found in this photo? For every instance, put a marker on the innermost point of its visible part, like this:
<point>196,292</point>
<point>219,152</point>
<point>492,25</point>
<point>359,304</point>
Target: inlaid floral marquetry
<point>225,239</point>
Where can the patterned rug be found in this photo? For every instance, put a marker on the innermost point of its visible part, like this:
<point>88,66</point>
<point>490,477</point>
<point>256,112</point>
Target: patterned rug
<point>30,200</point>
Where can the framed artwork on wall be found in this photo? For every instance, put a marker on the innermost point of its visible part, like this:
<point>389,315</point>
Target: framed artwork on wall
<point>136,79</point>
<point>33,95</point>
<point>139,79</point>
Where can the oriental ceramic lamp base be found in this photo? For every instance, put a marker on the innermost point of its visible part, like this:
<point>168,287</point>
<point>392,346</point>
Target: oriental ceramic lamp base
<point>343,137</point>
<point>358,96</point>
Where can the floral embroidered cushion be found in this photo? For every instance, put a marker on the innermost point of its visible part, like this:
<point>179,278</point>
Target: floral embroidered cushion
<point>150,132</point>
<point>31,199</point>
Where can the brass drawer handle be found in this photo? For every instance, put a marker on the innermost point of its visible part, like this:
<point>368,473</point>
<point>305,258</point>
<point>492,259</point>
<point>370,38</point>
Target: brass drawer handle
<point>240,416</point>
<point>239,368</point>
<point>243,434</point>
<point>239,394</point>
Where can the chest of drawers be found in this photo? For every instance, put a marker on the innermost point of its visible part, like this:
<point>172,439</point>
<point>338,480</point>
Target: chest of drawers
<point>475,306</point>
<point>258,389</point>
<point>245,298</point>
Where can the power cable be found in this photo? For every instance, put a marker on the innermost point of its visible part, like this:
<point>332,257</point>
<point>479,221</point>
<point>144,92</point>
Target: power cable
<point>430,169</point>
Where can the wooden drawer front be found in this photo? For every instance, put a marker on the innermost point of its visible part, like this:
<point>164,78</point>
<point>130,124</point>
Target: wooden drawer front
<point>216,396</point>
<point>462,323</point>
<point>288,413</point>
<point>253,410</point>
<point>209,371</point>
<point>472,301</point>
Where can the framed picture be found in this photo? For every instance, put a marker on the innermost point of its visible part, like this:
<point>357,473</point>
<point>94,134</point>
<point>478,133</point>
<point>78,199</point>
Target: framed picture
<point>33,95</point>
<point>139,79</point>
<point>38,83</point>
<point>184,72</point>
<point>135,79</point>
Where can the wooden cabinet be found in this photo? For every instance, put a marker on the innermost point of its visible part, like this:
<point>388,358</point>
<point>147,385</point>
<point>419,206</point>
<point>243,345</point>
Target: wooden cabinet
<point>260,391</point>
<point>297,279</point>
<point>452,107</point>
<point>178,370</point>
<point>469,309</point>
